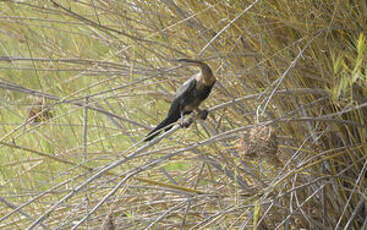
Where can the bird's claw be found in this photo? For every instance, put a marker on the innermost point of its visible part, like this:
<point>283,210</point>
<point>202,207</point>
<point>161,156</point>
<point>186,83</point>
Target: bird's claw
<point>186,123</point>
<point>203,114</point>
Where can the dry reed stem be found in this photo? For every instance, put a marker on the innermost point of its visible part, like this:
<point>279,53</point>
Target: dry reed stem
<point>274,68</point>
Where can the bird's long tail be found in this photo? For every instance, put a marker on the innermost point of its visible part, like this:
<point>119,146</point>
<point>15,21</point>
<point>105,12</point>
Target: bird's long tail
<point>166,122</point>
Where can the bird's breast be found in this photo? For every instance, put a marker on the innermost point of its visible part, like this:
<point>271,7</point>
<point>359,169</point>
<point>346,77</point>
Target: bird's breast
<point>193,105</point>
<point>198,95</point>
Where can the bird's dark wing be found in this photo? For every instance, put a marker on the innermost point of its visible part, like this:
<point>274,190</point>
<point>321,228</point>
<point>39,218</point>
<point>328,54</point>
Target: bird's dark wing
<point>186,88</point>
<point>183,94</point>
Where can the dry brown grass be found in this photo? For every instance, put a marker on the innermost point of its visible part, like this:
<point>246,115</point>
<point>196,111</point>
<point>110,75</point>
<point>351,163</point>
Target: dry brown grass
<point>104,71</point>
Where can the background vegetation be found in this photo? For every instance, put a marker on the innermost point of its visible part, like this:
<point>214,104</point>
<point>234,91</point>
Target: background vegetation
<point>291,76</point>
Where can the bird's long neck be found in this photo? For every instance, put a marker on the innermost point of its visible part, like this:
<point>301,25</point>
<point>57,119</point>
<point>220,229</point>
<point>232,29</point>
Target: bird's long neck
<point>206,75</point>
<point>206,72</point>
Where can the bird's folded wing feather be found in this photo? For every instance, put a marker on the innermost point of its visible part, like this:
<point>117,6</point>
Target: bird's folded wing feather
<point>186,88</point>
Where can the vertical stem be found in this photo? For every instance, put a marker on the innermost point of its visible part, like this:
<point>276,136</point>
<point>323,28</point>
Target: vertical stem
<point>85,125</point>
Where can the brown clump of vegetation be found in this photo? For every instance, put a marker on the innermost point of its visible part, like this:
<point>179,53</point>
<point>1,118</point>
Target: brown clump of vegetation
<point>260,144</point>
<point>39,111</point>
<point>283,146</point>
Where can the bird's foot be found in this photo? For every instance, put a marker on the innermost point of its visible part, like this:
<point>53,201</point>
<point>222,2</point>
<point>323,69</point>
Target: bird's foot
<point>186,123</point>
<point>203,114</point>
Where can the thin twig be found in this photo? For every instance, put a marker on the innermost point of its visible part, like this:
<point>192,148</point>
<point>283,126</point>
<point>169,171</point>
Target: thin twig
<point>227,26</point>
<point>19,209</point>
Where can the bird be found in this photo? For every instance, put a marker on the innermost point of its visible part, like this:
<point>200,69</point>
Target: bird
<point>188,97</point>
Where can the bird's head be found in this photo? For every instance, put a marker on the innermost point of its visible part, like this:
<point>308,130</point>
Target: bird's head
<point>205,69</point>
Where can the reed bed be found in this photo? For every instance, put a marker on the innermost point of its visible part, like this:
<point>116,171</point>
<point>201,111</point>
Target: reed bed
<point>283,147</point>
